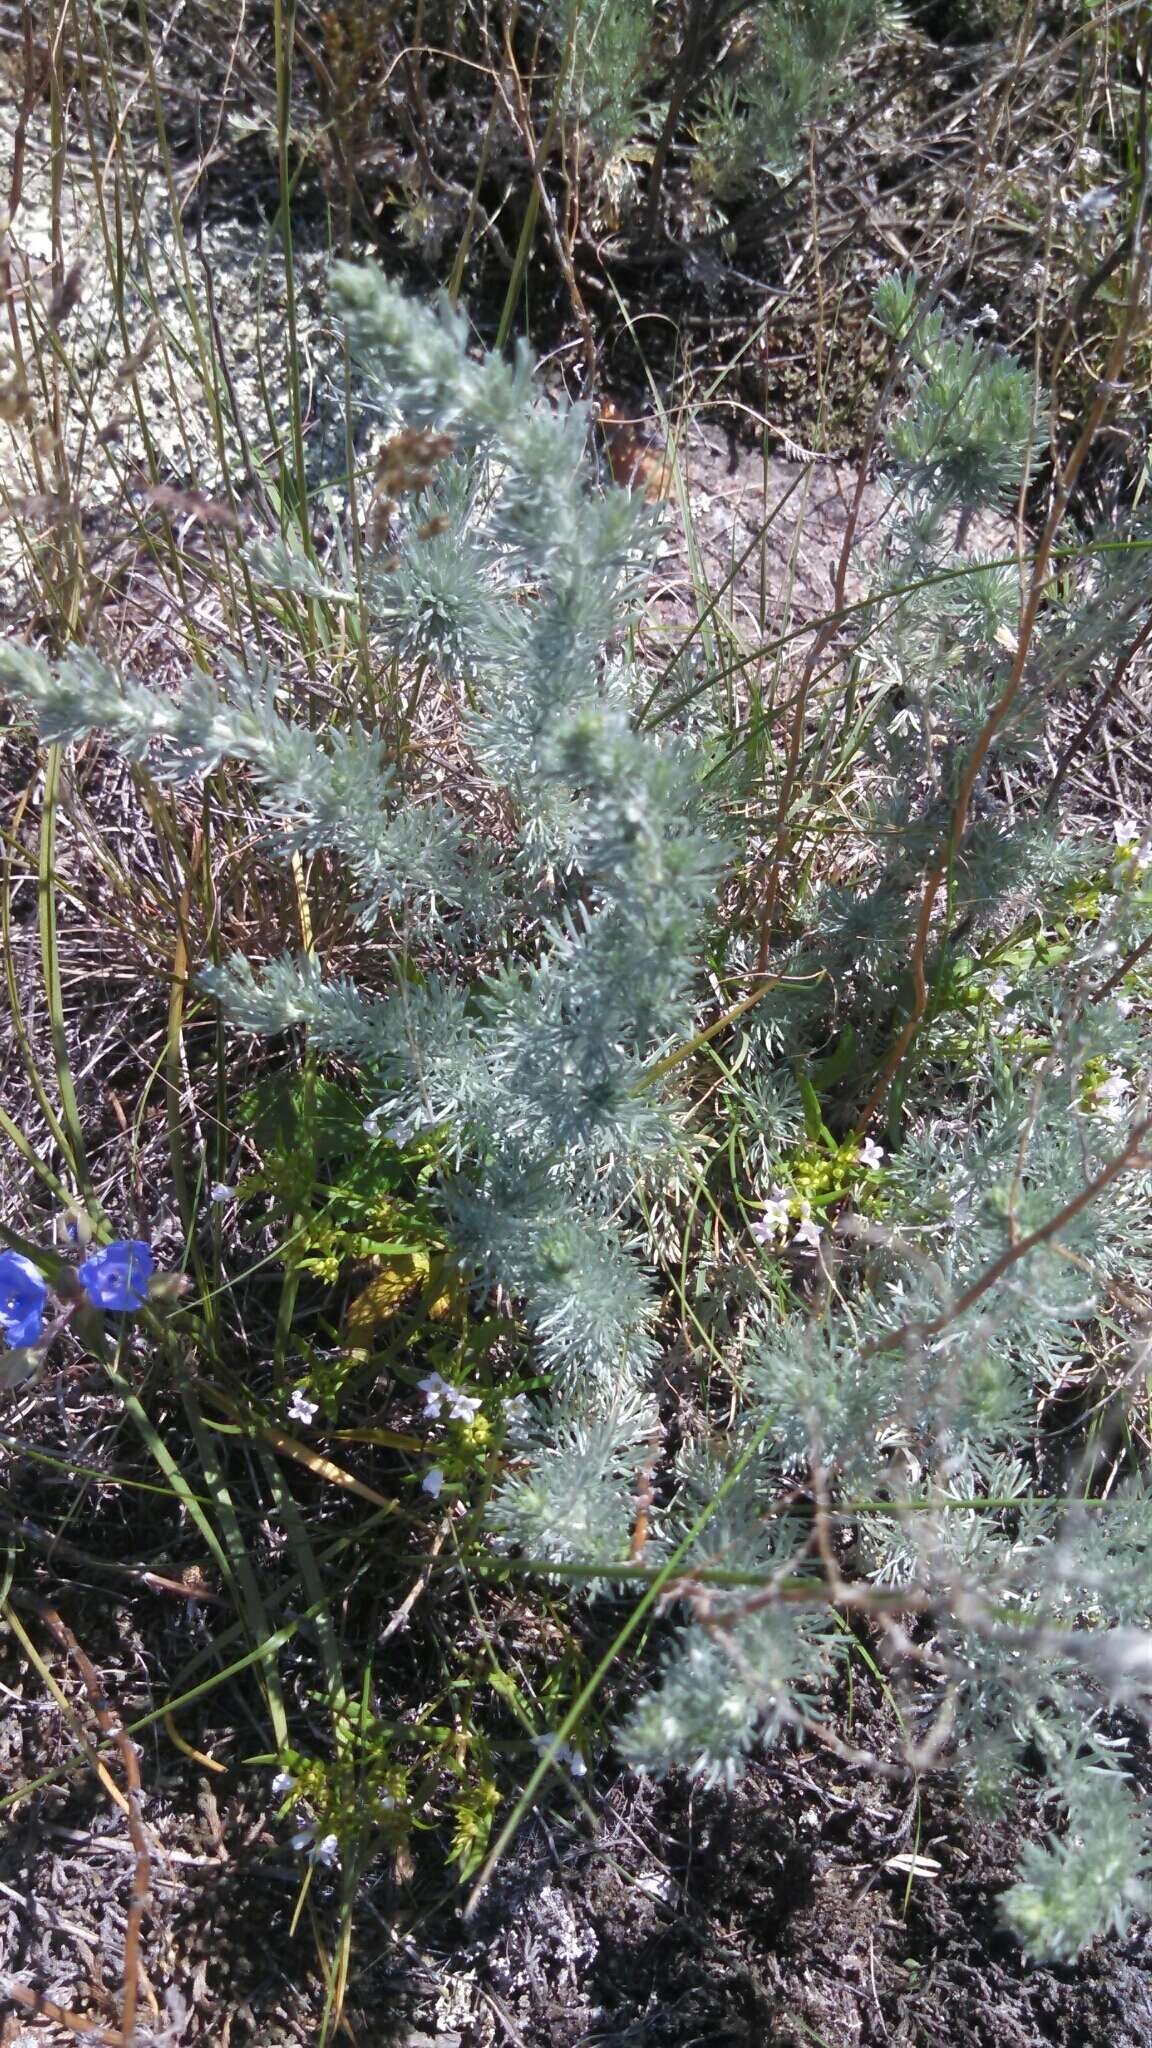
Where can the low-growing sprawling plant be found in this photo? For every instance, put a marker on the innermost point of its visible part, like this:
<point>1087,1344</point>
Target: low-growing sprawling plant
<point>863,1081</point>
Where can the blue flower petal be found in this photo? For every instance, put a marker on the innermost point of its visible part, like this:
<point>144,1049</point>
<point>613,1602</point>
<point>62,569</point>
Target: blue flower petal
<point>116,1277</point>
<point>23,1293</point>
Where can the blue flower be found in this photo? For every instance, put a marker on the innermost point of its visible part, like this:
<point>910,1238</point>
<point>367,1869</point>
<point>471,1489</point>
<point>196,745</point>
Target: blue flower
<point>116,1277</point>
<point>23,1293</point>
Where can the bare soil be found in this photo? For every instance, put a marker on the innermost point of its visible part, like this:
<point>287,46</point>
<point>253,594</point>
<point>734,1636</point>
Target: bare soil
<point>813,1903</point>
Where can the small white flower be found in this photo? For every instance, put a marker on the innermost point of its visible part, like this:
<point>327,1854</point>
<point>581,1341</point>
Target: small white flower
<point>1108,1097</point>
<point>1133,847</point>
<point>326,1850</point>
<point>771,1225</point>
<point>401,1130</point>
<point>440,1397</point>
<point>432,1481</point>
<point>434,1390</point>
<point>301,1409</point>
<point>773,1219</point>
<point>221,1192</point>
<point>282,1783</point>
<point>462,1407</point>
<point>517,1411</point>
<point>1000,988</point>
<point>562,1754</point>
<point>871,1153</point>
<point>807,1235</point>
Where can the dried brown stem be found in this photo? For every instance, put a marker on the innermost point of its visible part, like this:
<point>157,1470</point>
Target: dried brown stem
<point>1130,960</point>
<point>1094,717</point>
<point>888,1340</point>
<point>113,1727</point>
<point>73,1553</point>
<point>520,117</point>
<point>820,643</point>
<point>41,2008</point>
<point>1004,705</point>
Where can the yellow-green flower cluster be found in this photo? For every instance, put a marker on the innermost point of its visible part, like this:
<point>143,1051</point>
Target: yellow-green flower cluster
<point>823,1174</point>
<point>1104,1090</point>
<point>817,1175</point>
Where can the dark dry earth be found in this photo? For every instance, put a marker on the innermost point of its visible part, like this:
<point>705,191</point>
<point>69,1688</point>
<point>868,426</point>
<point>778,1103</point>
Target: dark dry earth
<point>667,1917</point>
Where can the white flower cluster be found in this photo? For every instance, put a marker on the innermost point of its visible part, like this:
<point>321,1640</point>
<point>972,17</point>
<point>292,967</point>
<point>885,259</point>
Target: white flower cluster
<point>444,1402</point>
<point>774,1221</point>
<point>401,1130</point>
<point>561,1753</point>
<point>772,1226</point>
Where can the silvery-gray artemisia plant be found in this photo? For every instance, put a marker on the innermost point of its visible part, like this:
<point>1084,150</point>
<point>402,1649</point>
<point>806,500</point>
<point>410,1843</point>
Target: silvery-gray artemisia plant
<point>887,1310</point>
